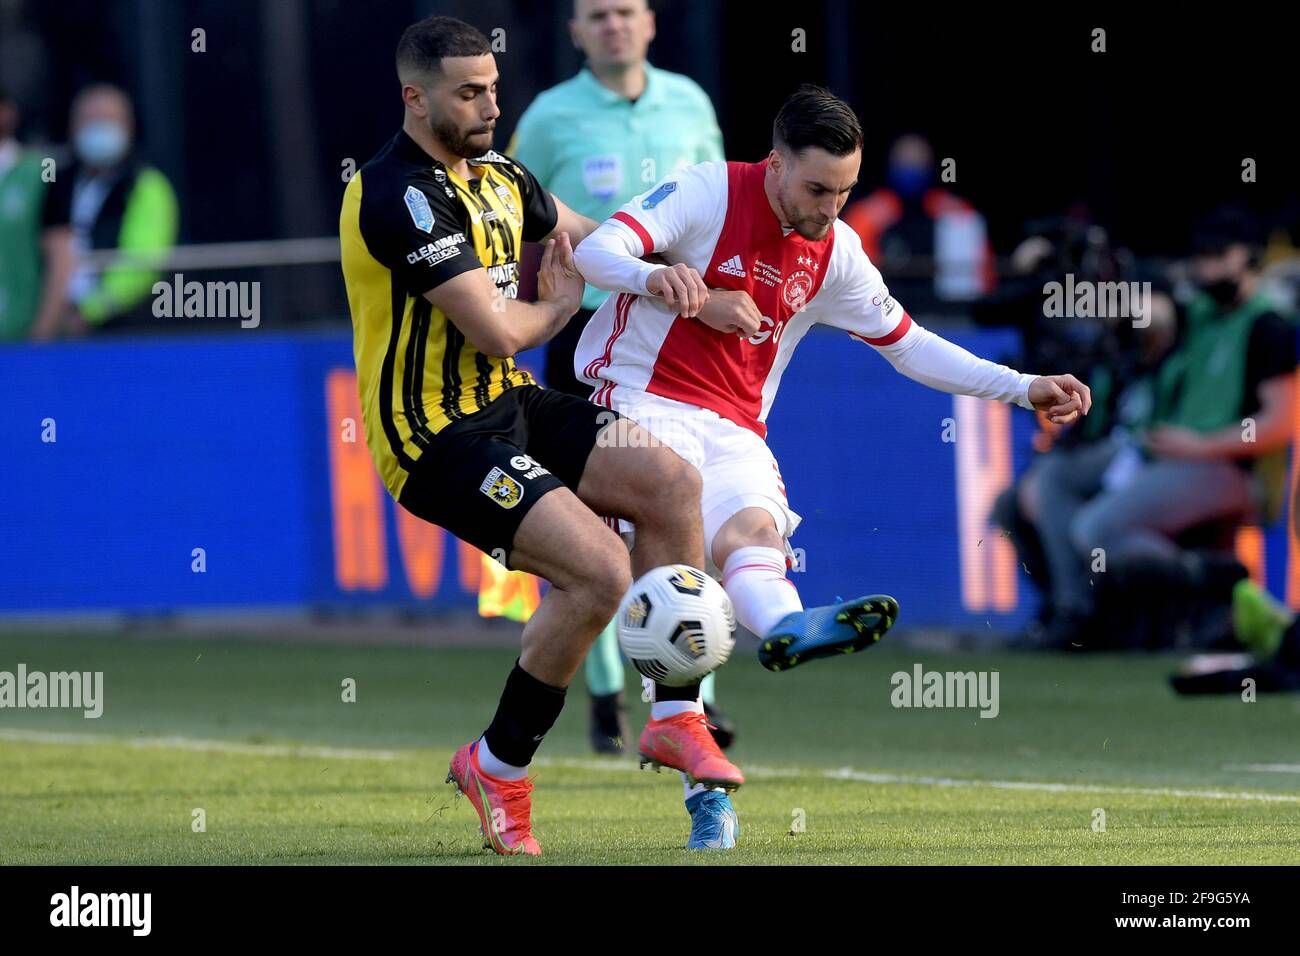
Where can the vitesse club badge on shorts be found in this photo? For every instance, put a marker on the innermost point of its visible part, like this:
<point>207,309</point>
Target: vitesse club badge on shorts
<point>501,488</point>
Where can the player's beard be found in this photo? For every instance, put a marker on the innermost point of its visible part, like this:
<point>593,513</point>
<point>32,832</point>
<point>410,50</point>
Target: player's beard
<point>807,228</point>
<point>458,142</point>
<point>811,230</point>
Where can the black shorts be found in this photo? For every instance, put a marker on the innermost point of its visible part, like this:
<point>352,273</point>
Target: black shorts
<point>483,473</point>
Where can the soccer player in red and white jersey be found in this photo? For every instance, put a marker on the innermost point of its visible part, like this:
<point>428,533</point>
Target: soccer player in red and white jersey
<point>694,351</point>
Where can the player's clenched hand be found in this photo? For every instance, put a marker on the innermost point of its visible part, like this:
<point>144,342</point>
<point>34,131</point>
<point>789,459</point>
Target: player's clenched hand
<point>1062,397</point>
<point>558,280</point>
<point>681,287</point>
<point>731,310</point>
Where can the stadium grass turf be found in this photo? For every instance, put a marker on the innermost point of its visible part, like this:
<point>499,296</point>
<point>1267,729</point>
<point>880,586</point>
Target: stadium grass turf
<point>257,735</point>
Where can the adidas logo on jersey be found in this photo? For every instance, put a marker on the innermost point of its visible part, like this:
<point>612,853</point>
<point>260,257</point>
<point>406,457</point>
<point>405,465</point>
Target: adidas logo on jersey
<point>733,267</point>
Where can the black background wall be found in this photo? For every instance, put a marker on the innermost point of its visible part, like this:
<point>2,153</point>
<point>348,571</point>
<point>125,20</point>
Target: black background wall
<point>255,130</point>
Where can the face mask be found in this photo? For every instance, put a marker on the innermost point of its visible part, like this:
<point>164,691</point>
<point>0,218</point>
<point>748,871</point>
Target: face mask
<point>101,143</point>
<point>1222,291</point>
<point>909,181</point>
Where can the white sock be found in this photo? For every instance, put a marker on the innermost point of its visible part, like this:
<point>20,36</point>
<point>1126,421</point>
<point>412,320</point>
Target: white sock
<point>754,579</point>
<point>661,709</point>
<point>692,789</point>
<point>494,767</point>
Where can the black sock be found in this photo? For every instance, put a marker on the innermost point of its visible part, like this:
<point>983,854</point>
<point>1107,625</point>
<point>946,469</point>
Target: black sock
<point>664,692</point>
<point>528,709</point>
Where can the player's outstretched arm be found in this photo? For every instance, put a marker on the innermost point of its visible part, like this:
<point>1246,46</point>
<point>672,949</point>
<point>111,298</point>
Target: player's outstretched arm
<point>856,299</point>
<point>932,360</point>
<point>502,327</point>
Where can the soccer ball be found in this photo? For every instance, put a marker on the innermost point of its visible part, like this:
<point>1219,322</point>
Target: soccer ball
<point>676,625</point>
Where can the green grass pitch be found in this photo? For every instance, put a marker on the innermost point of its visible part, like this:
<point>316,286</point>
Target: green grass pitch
<point>257,736</point>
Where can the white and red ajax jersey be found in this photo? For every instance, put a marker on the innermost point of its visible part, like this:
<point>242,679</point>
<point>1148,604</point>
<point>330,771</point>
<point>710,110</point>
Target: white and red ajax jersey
<point>715,217</point>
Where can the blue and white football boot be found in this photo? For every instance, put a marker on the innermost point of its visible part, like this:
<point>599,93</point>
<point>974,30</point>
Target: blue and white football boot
<point>714,825</point>
<point>826,631</point>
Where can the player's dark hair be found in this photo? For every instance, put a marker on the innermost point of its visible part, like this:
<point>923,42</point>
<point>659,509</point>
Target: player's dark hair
<point>424,44</point>
<point>814,116</point>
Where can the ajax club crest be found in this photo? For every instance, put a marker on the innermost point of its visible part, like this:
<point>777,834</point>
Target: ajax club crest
<point>797,290</point>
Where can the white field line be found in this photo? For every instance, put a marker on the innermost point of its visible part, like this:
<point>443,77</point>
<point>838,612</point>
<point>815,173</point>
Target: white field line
<point>1264,767</point>
<point>624,766</point>
<point>862,776</point>
<point>195,743</point>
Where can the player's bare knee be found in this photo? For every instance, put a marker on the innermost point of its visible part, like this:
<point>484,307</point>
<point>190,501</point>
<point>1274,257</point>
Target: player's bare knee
<point>605,577</point>
<point>765,536</point>
<point>670,491</point>
<point>746,530</point>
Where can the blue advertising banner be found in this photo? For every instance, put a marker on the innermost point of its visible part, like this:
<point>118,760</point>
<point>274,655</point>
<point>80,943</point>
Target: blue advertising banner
<point>231,473</point>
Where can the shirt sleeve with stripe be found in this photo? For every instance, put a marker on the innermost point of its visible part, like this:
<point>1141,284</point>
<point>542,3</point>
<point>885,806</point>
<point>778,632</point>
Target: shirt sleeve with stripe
<point>858,301</point>
<point>684,206</point>
<point>417,233</point>
<point>854,296</point>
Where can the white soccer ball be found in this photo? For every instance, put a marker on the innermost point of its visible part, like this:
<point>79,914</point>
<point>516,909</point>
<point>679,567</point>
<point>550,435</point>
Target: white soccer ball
<point>676,625</point>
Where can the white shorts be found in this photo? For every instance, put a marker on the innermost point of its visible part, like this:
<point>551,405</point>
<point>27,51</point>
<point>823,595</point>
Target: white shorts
<point>736,467</point>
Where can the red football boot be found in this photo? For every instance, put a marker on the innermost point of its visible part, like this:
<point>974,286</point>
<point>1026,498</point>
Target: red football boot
<point>683,742</point>
<point>505,807</point>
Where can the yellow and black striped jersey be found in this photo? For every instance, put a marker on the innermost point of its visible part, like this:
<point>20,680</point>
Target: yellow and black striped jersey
<point>409,224</point>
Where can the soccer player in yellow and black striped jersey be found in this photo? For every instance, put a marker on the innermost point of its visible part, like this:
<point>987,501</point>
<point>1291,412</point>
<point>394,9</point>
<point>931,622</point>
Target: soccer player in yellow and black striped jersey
<point>431,230</point>
<point>443,224</point>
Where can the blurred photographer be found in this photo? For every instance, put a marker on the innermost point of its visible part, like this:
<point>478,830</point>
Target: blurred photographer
<point>1215,454</point>
<point>1119,355</point>
<point>1083,461</point>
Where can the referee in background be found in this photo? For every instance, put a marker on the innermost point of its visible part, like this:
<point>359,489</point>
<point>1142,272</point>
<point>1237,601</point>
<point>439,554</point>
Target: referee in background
<point>595,141</point>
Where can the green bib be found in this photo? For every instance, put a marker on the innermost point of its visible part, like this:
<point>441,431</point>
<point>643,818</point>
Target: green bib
<point>22,193</point>
<point>1201,385</point>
